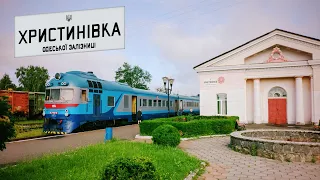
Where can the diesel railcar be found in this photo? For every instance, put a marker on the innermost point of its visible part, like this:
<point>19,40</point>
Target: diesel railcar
<point>76,98</point>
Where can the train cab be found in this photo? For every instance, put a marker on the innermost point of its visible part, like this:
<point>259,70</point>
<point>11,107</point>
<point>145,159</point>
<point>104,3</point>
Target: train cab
<point>62,99</point>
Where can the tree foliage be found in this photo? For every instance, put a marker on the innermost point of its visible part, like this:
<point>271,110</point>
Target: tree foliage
<point>6,83</point>
<point>32,78</point>
<point>133,76</point>
<point>7,129</point>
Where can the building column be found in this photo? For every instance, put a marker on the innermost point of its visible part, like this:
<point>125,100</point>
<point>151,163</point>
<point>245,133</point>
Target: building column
<point>256,102</point>
<point>299,102</point>
<point>312,101</point>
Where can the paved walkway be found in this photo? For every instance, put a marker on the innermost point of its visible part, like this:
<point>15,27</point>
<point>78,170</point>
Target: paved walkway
<point>228,164</point>
<point>29,149</point>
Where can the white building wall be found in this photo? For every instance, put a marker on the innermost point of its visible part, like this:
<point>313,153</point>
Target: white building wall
<point>316,95</point>
<point>249,89</point>
<point>307,99</point>
<point>233,86</point>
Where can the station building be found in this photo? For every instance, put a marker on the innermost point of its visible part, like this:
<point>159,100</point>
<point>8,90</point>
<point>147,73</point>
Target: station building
<point>273,79</point>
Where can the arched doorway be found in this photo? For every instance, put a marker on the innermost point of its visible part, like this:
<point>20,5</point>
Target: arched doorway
<point>277,106</point>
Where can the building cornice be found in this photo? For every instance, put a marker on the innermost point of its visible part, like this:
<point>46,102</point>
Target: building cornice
<point>274,35</point>
<point>248,67</point>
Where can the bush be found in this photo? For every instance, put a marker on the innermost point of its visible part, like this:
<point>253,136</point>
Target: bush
<point>137,168</point>
<point>166,135</point>
<point>193,126</point>
<point>7,130</point>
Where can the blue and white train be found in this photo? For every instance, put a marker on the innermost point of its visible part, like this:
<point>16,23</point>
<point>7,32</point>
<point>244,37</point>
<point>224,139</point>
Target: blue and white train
<point>76,98</point>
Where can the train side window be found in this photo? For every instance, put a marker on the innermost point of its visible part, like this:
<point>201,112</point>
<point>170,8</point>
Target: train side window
<point>150,103</point>
<point>159,103</point>
<point>95,84</point>
<point>126,101</point>
<point>140,103</point>
<point>154,103</point>
<point>99,85</point>
<point>90,83</point>
<point>47,94</point>
<point>83,95</point>
<point>111,101</point>
<point>144,102</point>
<point>163,103</point>
<point>171,103</point>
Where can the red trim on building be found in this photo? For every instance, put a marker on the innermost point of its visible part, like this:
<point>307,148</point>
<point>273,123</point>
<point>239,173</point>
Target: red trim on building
<point>59,106</point>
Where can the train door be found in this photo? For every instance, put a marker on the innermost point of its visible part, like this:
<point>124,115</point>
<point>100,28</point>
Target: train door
<point>176,106</point>
<point>181,107</point>
<point>96,105</point>
<point>134,108</point>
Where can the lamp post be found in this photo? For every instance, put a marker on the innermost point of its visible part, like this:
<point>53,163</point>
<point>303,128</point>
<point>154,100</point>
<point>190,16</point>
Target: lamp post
<point>167,82</point>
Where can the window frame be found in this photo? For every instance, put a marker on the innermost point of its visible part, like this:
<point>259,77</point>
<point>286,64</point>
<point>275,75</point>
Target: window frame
<point>222,104</point>
<point>108,101</point>
<point>124,101</point>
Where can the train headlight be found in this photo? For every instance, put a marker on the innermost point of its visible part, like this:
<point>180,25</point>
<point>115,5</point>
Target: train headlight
<point>57,76</point>
<point>66,113</point>
<point>43,112</point>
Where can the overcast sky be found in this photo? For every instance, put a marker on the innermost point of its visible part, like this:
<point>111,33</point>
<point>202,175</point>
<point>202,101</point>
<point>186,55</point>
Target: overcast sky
<point>166,38</point>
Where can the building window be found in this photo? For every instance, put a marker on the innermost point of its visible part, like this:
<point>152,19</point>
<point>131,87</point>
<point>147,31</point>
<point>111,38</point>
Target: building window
<point>126,101</point>
<point>222,104</point>
<point>150,103</point>
<point>110,101</point>
<point>144,102</point>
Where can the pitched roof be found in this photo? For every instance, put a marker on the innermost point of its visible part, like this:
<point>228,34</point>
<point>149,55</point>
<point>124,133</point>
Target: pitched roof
<point>254,40</point>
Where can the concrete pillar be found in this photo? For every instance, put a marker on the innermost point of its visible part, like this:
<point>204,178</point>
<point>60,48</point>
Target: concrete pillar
<point>256,102</point>
<point>299,102</point>
<point>312,101</point>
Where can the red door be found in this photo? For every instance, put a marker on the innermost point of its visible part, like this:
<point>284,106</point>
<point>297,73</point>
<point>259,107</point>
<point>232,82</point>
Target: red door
<point>277,111</point>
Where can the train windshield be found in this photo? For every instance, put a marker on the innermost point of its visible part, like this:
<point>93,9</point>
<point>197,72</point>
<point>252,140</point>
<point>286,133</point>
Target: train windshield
<point>59,94</point>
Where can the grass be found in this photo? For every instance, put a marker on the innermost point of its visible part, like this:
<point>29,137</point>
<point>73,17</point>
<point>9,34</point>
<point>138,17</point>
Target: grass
<point>30,134</point>
<point>89,162</point>
<point>29,122</point>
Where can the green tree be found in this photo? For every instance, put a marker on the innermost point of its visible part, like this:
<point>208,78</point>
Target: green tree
<point>6,83</point>
<point>32,78</point>
<point>133,76</point>
<point>7,129</point>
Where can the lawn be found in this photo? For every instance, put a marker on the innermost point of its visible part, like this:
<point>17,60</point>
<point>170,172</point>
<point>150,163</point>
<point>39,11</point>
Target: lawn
<point>30,134</point>
<point>89,162</point>
<point>29,122</point>
<point>28,129</point>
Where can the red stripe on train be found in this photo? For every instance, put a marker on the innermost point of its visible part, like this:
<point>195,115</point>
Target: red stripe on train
<point>59,106</point>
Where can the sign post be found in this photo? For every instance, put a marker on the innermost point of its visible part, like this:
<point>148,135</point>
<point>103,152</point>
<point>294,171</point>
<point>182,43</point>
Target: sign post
<point>70,32</point>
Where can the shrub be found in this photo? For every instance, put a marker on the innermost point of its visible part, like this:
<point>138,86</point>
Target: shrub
<point>166,135</point>
<point>137,168</point>
<point>7,130</point>
<point>194,126</point>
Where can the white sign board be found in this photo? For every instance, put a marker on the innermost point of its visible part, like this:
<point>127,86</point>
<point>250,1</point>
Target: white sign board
<point>69,32</point>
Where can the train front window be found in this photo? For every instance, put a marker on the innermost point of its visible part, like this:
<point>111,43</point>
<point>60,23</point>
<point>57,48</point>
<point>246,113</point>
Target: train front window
<point>55,94</point>
<point>66,94</point>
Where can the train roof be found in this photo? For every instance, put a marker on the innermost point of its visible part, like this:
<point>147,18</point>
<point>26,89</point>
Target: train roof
<point>80,79</point>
